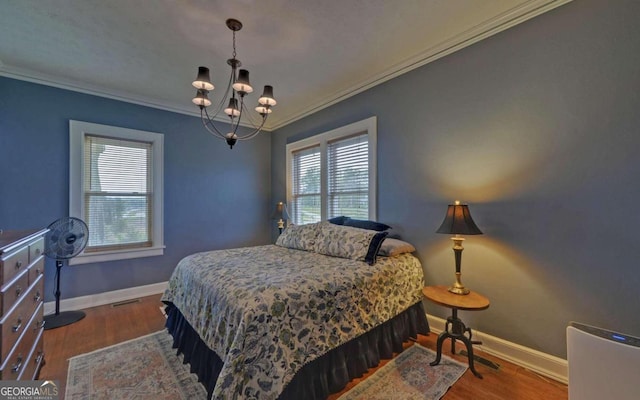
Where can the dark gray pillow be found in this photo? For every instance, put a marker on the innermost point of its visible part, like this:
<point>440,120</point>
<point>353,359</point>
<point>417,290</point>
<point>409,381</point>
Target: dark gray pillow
<point>359,223</point>
<point>338,220</point>
<point>365,224</point>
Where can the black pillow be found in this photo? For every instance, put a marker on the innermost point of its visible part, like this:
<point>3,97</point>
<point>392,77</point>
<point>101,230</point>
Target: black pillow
<point>338,220</point>
<point>365,224</point>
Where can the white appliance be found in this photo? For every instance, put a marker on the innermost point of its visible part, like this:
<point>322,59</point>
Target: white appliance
<point>602,364</point>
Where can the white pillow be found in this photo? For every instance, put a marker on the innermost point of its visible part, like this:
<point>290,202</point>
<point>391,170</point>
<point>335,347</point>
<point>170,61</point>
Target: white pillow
<point>393,247</point>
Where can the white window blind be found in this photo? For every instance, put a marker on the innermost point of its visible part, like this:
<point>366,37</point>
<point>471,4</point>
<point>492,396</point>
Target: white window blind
<point>348,177</point>
<point>333,173</point>
<point>118,193</point>
<point>305,206</point>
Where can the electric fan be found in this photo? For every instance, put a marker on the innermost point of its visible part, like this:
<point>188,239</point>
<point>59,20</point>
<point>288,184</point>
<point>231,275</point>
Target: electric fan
<point>66,238</point>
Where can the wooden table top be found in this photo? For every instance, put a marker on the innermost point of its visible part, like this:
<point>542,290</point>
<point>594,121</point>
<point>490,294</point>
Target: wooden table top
<point>441,295</point>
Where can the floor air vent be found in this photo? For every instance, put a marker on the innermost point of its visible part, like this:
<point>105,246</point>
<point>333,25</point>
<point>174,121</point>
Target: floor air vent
<point>125,302</point>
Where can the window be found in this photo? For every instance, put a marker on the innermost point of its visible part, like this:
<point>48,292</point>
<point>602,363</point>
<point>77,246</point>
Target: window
<point>333,174</point>
<point>348,174</point>
<point>306,196</point>
<point>116,188</point>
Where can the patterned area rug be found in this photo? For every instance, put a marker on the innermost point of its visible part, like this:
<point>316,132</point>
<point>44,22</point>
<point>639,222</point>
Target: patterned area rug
<point>142,368</point>
<point>409,377</point>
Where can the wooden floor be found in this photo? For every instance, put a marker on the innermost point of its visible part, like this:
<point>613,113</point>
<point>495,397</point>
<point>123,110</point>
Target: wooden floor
<point>107,325</point>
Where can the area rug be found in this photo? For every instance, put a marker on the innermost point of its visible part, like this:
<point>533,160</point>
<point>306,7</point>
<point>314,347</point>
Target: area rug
<point>409,377</point>
<point>142,368</point>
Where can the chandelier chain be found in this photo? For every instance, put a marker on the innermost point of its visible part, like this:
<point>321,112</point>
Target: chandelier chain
<point>234,44</point>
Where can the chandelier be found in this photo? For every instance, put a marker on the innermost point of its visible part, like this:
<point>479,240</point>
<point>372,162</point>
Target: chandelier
<point>237,88</point>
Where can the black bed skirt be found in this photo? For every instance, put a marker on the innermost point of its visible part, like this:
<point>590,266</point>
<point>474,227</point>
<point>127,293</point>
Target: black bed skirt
<point>317,380</point>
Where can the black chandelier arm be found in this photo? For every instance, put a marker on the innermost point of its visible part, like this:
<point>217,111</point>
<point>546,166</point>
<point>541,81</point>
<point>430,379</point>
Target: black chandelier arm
<point>249,136</point>
<point>256,128</point>
<point>250,117</point>
<point>210,126</point>
<point>242,108</point>
<point>213,132</point>
<point>223,101</point>
<point>252,134</point>
<point>206,122</point>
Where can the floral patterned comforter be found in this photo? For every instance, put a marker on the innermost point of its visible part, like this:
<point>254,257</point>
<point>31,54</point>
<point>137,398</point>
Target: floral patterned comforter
<point>269,310</point>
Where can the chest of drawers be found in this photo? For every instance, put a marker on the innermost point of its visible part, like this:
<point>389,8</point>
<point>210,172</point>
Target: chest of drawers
<point>21,304</point>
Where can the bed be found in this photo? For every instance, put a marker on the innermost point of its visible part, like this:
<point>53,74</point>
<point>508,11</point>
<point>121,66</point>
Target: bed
<point>298,319</point>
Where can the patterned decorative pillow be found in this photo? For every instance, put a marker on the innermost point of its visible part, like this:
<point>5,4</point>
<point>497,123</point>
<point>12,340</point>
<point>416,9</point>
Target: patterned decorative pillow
<point>393,247</point>
<point>348,242</point>
<point>300,237</point>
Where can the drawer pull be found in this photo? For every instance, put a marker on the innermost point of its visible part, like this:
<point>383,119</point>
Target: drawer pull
<point>18,291</point>
<point>37,297</point>
<point>38,272</point>
<point>40,357</point>
<point>38,252</point>
<point>16,367</point>
<point>39,325</point>
<point>17,327</point>
<point>18,264</point>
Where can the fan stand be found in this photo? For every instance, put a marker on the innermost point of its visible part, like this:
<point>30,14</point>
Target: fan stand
<point>61,318</point>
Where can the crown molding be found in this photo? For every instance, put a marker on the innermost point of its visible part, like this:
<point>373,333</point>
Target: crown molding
<point>81,87</point>
<point>489,28</point>
<point>504,21</point>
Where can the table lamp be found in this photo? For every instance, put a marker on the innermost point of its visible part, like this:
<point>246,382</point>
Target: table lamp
<point>280,214</point>
<point>458,221</point>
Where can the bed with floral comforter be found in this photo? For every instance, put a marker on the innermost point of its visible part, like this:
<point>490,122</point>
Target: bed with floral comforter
<point>267,311</point>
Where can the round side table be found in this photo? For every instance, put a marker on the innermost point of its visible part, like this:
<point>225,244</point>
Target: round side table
<point>454,328</point>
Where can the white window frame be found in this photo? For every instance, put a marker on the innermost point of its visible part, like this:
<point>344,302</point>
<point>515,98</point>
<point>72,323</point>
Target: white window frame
<point>77,132</point>
<point>369,126</point>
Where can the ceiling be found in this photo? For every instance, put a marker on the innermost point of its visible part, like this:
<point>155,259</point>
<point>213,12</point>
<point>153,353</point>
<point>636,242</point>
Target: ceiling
<point>314,53</point>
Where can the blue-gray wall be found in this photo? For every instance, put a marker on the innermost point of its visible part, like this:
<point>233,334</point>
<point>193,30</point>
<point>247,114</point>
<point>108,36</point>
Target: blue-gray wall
<point>538,129</point>
<point>214,197</point>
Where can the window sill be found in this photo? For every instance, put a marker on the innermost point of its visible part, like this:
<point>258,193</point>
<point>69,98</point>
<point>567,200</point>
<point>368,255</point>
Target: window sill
<point>116,255</point>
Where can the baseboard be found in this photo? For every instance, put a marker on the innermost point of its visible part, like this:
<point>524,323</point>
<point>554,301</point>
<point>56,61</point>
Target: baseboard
<point>100,299</point>
<point>541,363</point>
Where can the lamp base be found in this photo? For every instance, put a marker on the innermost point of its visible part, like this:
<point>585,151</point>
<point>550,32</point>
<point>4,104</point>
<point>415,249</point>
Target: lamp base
<point>62,319</point>
<point>458,287</point>
<point>459,290</point>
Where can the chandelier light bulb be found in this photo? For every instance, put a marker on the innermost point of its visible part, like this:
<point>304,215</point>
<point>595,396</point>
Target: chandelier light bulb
<point>203,81</point>
<point>267,97</point>
<point>232,108</point>
<point>201,99</point>
<point>242,85</point>
<point>263,110</point>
